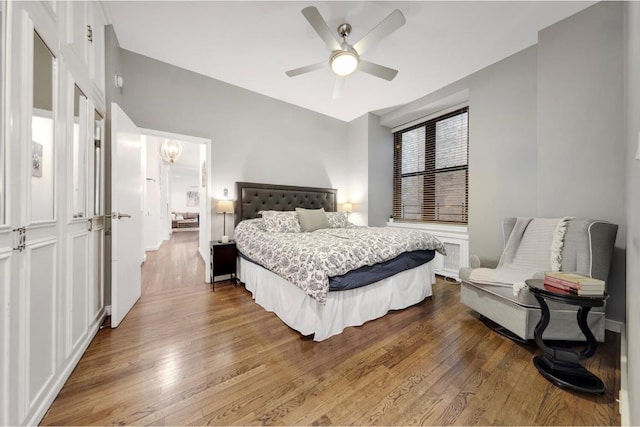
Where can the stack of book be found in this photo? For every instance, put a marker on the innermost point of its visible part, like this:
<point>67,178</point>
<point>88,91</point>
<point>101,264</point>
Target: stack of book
<point>574,283</point>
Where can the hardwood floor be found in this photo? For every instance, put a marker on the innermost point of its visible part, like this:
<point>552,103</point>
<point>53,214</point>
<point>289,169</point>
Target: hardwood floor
<point>188,356</point>
<point>176,265</point>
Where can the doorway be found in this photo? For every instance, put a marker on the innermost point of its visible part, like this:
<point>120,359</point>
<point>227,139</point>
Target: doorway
<point>177,208</point>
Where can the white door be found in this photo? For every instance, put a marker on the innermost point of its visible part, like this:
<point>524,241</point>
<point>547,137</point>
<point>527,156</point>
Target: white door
<point>126,215</point>
<point>34,270</point>
<point>77,235</point>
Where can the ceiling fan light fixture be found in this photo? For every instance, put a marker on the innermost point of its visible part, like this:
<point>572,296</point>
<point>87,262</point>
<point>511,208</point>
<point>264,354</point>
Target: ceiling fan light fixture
<point>344,62</point>
<point>171,150</point>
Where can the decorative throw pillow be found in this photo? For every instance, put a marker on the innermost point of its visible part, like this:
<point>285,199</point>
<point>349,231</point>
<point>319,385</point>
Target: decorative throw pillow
<point>338,219</point>
<point>312,219</point>
<point>173,216</point>
<point>180,217</point>
<point>280,221</point>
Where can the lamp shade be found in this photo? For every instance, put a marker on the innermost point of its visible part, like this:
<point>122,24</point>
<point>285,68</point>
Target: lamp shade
<point>347,207</point>
<point>224,206</point>
<point>171,150</point>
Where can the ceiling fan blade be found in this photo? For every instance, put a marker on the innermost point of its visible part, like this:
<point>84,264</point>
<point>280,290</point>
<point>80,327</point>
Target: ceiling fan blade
<point>337,88</point>
<point>377,70</point>
<point>306,69</point>
<point>387,26</point>
<point>321,27</point>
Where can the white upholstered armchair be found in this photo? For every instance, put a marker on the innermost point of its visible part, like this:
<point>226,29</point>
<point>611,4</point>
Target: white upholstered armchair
<point>586,248</point>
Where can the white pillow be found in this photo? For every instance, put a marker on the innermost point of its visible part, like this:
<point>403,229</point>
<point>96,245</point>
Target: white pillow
<point>280,221</point>
<point>180,217</point>
<point>173,216</point>
<point>338,219</point>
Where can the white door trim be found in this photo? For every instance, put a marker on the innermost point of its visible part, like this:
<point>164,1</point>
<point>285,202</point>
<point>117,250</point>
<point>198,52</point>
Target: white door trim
<point>205,223</point>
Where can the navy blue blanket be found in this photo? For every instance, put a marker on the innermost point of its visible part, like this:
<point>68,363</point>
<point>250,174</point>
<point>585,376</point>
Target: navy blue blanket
<point>372,273</point>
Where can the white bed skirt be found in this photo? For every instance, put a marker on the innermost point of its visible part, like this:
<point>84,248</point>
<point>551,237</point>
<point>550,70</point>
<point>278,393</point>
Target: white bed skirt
<point>345,308</point>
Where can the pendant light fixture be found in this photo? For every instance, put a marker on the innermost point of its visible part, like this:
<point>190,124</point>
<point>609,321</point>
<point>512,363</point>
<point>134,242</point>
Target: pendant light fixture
<point>171,150</point>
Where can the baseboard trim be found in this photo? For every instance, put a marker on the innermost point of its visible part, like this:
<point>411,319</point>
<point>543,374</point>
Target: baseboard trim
<point>623,396</point>
<point>613,325</point>
<point>65,372</point>
<point>207,265</point>
<point>153,248</point>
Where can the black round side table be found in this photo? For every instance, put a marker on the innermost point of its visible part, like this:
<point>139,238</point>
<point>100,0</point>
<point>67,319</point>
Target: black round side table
<point>559,365</point>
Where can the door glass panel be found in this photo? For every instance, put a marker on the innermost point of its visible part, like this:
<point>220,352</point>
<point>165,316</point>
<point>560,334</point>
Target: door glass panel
<point>3,165</point>
<point>42,133</point>
<point>80,142</point>
<point>97,164</point>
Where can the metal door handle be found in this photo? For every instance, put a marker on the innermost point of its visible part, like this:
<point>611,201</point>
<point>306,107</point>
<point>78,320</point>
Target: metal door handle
<point>118,215</point>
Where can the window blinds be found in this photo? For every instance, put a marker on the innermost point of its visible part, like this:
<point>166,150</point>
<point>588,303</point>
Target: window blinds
<point>430,165</point>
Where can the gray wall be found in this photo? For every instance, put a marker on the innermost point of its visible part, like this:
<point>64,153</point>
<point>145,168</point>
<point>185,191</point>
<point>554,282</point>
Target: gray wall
<point>254,137</point>
<point>502,136</point>
<point>632,83</point>
<point>502,143</point>
<point>380,165</point>
<point>371,170</point>
<point>545,133</point>
<point>581,145</point>
<point>357,154</point>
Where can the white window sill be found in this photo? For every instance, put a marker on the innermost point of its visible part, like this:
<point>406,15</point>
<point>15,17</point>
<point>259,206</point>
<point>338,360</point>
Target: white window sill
<point>431,227</point>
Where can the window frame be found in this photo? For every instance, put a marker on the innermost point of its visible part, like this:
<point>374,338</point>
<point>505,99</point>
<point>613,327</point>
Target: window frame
<point>429,206</point>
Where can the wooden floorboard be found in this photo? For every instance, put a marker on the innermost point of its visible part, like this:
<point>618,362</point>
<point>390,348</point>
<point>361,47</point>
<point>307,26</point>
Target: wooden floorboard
<point>188,356</point>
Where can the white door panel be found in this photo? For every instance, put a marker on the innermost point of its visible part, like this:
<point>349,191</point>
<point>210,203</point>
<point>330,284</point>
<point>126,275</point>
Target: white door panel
<point>41,324</point>
<point>96,298</point>
<point>6,258</point>
<point>126,199</point>
<point>77,264</point>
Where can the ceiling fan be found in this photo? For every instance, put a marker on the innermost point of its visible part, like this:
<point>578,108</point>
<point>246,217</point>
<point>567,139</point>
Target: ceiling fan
<point>346,58</point>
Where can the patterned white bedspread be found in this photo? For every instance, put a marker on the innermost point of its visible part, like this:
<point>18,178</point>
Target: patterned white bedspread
<point>309,259</point>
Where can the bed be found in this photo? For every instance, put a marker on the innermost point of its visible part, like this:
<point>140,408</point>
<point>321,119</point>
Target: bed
<point>312,306</point>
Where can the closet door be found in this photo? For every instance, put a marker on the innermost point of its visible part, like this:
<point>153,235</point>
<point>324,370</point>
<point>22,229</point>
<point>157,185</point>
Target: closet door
<point>8,256</point>
<point>36,152</point>
<point>78,217</point>
<point>51,295</point>
<point>40,289</point>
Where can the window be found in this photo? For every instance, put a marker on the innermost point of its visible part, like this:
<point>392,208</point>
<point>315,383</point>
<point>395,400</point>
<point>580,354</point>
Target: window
<point>430,170</point>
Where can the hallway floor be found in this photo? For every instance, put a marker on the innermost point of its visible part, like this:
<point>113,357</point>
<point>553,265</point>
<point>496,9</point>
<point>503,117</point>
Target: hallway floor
<point>177,264</point>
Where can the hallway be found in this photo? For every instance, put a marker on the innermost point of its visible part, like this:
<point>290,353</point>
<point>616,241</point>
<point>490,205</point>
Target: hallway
<point>176,265</point>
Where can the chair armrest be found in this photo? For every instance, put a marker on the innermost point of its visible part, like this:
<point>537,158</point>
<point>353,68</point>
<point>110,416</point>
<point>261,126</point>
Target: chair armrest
<point>538,275</point>
<point>476,262</point>
<point>602,239</point>
<point>488,262</point>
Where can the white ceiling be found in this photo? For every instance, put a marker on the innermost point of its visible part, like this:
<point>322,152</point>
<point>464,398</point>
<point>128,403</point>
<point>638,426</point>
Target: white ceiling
<point>252,44</point>
<point>188,165</point>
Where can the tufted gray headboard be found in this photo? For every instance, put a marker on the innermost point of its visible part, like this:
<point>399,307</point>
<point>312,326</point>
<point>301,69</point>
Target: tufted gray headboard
<point>253,197</point>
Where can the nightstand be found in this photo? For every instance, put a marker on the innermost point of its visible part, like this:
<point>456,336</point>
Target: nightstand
<point>223,260</point>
